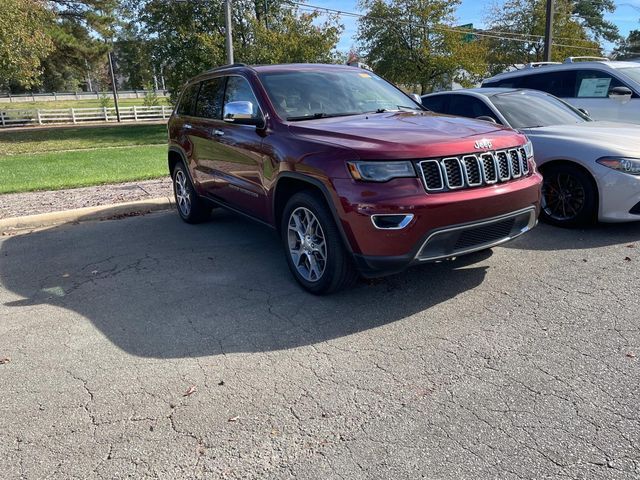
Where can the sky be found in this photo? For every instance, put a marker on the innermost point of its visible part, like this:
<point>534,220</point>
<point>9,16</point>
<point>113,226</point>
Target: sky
<point>626,17</point>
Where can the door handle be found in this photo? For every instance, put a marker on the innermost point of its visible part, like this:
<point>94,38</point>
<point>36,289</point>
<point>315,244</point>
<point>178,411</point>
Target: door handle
<point>218,133</point>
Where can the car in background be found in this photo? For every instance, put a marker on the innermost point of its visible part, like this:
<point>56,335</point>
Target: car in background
<point>355,176</point>
<point>591,169</point>
<point>607,90</point>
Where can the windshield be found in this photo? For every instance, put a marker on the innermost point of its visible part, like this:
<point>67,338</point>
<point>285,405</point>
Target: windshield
<point>632,72</point>
<point>528,109</point>
<point>305,95</point>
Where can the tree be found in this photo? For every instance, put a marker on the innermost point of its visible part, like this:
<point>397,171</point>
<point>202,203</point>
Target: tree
<point>23,42</point>
<point>521,24</point>
<point>414,43</point>
<point>79,33</point>
<point>590,14</point>
<point>628,48</point>
<point>190,35</point>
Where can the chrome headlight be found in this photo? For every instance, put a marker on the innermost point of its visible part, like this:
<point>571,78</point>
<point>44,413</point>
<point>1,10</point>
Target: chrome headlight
<point>380,171</point>
<point>528,149</point>
<point>622,164</point>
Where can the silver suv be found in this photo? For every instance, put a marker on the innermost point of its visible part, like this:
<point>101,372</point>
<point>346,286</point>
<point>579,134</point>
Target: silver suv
<point>607,90</point>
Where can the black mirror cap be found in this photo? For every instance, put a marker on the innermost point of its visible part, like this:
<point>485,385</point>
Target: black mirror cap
<point>622,91</point>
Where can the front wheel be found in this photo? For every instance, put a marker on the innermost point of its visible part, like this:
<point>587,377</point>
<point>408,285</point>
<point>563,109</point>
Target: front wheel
<point>569,197</point>
<point>315,253</point>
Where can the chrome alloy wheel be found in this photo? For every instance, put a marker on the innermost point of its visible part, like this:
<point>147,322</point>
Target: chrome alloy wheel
<point>307,245</point>
<point>183,196</point>
<point>563,197</point>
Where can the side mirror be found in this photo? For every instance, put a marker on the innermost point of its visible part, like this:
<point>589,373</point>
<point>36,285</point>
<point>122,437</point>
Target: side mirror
<point>240,113</point>
<point>416,98</point>
<point>487,118</point>
<point>584,111</point>
<point>622,94</point>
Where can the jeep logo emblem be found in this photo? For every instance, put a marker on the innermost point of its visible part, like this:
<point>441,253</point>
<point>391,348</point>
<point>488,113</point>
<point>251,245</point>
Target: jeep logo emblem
<point>483,144</point>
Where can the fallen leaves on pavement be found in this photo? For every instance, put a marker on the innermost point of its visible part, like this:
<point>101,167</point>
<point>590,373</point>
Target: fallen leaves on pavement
<point>234,419</point>
<point>4,360</point>
<point>190,391</point>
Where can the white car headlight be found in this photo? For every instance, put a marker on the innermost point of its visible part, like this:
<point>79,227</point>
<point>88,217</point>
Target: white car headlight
<point>380,171</point>
<point>528,149</point>
<point>622,164</point>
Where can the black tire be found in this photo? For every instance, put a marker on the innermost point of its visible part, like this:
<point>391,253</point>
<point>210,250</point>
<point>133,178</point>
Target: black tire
<point>569,197</point>
<point>191,208</point>
<point>339,271</point>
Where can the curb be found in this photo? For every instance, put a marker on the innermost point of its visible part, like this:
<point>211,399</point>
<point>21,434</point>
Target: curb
<point>77,215</point>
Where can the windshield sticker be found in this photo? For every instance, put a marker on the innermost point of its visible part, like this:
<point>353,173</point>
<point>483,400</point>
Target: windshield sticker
<point>594,87</point>
<point>364,75</point>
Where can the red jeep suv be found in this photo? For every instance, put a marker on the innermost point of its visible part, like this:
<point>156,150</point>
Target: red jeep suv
<point>356,177</point>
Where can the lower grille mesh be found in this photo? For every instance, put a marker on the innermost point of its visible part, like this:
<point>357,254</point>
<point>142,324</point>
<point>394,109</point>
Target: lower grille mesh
<point>485,234</point>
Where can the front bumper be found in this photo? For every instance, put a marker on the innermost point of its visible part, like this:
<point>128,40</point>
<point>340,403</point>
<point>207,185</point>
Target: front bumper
<point>454,241</point>
<point>443,225</point>
<point>619,196</point>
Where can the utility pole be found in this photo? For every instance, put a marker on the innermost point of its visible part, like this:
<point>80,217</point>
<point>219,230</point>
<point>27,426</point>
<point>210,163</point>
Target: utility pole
<point>548,31</point>
<point>229,40</point>
<point>114,87</point>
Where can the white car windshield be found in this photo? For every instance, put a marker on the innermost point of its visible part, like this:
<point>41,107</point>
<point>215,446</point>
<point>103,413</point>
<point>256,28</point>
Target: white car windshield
<point>306,95</point>
<point>632,72</point>
<point>530,109</point>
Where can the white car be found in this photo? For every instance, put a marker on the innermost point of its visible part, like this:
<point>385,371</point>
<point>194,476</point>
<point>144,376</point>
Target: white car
<point>608,90</point>
<point>591,169</point>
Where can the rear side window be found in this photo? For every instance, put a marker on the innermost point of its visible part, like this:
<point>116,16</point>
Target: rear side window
<point>436,104</point>
<point>188,99</point>
<point>506,83</point>
<point>595,84</point>
<point>209,104</point>
<point>466,106</point>
<point>560,84</point>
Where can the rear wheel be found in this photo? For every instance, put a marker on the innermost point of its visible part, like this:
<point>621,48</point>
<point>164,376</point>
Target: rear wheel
<point>569,197</point>
<point>315,253</point>
<point>191,207</point>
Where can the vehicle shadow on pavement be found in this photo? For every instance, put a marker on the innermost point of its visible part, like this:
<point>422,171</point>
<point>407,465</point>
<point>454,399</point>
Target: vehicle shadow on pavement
<point>156,287</point>
<point>548,237</point>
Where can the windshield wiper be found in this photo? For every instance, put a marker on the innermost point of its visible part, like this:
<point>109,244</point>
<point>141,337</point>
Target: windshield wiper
<point>317,115</point>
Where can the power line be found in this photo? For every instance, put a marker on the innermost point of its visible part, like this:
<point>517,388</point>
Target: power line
<point>517,37</point>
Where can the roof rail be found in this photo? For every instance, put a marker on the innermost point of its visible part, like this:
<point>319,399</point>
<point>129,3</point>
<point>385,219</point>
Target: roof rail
<point>573,59</point>
<point>540,64</point>
<point>221,67</point>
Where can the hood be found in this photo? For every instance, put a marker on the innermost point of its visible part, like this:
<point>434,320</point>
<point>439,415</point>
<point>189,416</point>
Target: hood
<point>396,135</point>
<point>612,137</point>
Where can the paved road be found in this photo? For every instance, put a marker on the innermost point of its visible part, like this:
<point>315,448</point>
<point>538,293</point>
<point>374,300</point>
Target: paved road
<point>511,365</point>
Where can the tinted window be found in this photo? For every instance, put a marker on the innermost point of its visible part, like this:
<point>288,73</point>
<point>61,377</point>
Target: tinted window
<point>239,90</point>
<point>595,84</point>
<point>209,103</point>
<point>526,109</point>
<point>188,98</point>
<point>436,104</point>
<point>506,83</point>
<point>467,106</point>
<point>560,84</point>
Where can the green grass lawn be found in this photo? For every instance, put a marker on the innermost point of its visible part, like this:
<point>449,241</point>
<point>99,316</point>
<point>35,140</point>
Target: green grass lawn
<point>55,139</point>
<point>56,170</point>
<point>92,103</point>
<point>37,160</point>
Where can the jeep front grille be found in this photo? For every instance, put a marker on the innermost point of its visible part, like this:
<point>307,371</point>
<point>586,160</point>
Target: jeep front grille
<point>473,170</point>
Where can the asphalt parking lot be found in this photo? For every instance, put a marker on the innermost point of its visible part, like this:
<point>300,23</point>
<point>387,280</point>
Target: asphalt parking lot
<point>522,363</point>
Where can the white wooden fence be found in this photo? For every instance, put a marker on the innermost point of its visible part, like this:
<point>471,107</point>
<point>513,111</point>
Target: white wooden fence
<point>19,118</point>
<point>54,96</point>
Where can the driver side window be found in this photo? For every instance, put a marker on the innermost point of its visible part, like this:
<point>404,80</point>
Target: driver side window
<point>239,90</point>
